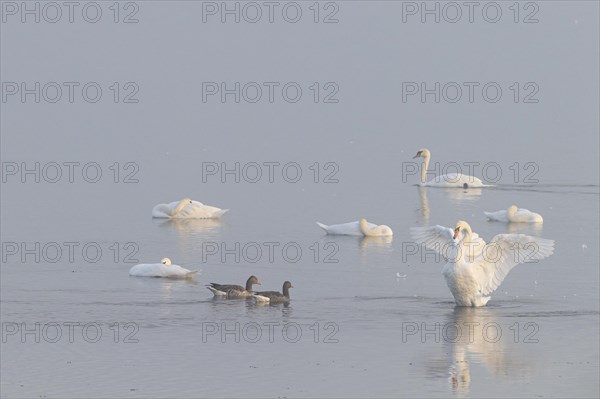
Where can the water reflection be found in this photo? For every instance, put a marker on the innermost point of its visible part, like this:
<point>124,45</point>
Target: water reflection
<point>459,195</point>
<point>475,337</point>
<point>206,228</point>
<point>424,209</point>
<point>378,244</point>
<point>525,228</point>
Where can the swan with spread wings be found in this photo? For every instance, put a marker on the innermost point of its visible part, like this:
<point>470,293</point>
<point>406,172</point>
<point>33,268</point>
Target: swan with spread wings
<point>473,272</point>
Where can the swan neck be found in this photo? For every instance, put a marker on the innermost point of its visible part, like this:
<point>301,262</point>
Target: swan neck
<point>181,205</point>
<point>467,236</point>
<point>510,212</point>
<point>249,285</point>
<point>424,168</point>
<point>364,227</point>
<point>286,292</point>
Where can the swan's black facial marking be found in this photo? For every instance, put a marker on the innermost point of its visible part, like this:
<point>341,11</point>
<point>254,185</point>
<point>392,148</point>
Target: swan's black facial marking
<point>456,231</point>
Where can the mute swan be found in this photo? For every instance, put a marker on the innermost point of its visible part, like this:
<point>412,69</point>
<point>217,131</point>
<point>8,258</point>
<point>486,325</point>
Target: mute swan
<point>187,208</point>
<point>274,296</point>
<point>447,180</point>
<point>360,228</point>
<point>471,281</point>
<point>162,269</point>
<point>516,215</point>
<point>232,291</point>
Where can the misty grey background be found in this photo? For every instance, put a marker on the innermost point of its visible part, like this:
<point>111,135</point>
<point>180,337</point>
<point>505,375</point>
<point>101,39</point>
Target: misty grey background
<point>370,133</point>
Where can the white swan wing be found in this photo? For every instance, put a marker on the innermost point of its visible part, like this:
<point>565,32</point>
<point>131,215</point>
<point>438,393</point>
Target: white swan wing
<point>348,229</point>
<point>147,270</point>
<point>176,271</point>
<point>525,215</point>
<point>159,270</point>
<point>200,211</point>
<point>504,252</point>
<point>164,210</point>
<point>499,216</point>
<point>436,238</point>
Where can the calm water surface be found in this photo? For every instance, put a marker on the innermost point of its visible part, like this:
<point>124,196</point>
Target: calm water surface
<point>368,317</point>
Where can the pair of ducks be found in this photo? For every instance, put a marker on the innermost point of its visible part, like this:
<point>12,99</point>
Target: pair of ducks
<point>232,291</point>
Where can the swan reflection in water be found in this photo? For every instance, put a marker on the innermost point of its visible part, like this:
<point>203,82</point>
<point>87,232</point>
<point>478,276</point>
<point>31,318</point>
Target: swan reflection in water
<point>199,228</point>
<point>476,337</point>
<point>377,244</point>
<point>525,228</point>
<point>458,196</point>
<point>423,210</point>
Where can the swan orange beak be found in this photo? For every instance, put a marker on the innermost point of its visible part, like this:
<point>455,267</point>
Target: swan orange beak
<point>417,156</point>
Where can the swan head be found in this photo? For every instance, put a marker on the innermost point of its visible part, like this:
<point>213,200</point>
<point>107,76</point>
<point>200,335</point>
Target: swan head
<point>422,153</point>
<point>461,226</point>
<point>512,209</point>
<point>166,261</point>
<point>182,204</point>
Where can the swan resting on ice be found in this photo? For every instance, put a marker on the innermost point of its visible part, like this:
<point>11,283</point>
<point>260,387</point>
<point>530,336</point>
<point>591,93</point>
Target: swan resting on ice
<point>187,209</point>
<point>447,180</point>
<point>362,228</point>
<point>162,269</point>
<point>472,281</point>
<point>515,215</point>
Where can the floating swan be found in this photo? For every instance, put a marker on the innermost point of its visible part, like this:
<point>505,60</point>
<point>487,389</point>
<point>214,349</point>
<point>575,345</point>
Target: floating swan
<point>361,228</point>
<point>274,296</point>
<point>187,208</point>
<point>162,269</point>
<point>471,281</point>
<point>232,291</point>
<point>447,180</point>
<point>515,215</point>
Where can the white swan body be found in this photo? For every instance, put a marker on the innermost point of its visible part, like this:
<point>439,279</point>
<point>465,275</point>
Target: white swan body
<point>447,180</point>
<point>471,281</point>
<point>163,269</point>
<point>187,209</point>
<point>361,228</point>
<point>515,215</point>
